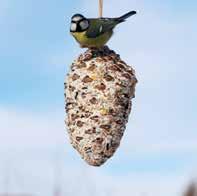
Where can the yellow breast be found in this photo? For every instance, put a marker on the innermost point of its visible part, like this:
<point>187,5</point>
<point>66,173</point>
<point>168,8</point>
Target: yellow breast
<point>92,42</point>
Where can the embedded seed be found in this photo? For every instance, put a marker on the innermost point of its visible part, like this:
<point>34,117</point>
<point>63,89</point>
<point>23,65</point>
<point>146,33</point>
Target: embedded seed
<point>81,65</point>
<point>71,88</point>
<point>80,123</point>
<point>99,140</point>
<point>126,75</point>
<point>92,67</point>
<point>120,65</point>
<point>94,118</point>
<point>107,77</point>
<point>79,138</point>
<point>76,94</point>
<point>74,117</point>
<point>87,79</point>
<point>90,131</point>
<point>87,57</point>
<point>75,77</point>
<point>114,68</point>
<point>101,86</point>
<point>106,127</point>
<point>119,122</point>
<point>93,100</point>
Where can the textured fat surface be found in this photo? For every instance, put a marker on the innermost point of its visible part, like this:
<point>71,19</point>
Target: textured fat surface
<point>98,93</point>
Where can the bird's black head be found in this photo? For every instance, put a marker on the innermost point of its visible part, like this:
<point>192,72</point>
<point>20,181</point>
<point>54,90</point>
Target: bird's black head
<point>79,23</point>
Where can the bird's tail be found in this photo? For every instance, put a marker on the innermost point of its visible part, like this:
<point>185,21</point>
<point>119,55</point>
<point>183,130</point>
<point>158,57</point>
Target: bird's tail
<point>125,16</point>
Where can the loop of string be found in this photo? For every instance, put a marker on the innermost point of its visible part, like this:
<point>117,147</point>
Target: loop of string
<point>100,8</point>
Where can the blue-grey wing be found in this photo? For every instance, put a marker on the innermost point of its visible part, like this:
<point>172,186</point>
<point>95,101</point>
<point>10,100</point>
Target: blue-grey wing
<point>100,26</point>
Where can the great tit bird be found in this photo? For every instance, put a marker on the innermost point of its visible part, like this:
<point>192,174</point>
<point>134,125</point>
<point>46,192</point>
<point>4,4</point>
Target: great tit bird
<point>94,32</point>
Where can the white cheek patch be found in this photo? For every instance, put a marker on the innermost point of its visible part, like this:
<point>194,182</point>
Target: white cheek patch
<point>73,27</point>
<point>84,24</point>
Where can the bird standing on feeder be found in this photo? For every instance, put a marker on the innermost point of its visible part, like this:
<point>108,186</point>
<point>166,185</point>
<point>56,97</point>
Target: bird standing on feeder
<point>98,90</point>
<point>94,32</point>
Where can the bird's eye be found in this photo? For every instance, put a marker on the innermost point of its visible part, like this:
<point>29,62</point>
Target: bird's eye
<point>73,27</point>
<point>84,24</point>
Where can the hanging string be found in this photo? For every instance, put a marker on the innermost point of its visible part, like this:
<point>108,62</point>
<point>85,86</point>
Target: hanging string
<point>100,8</point>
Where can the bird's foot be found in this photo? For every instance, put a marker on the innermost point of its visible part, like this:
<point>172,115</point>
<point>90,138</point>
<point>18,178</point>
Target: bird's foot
<point>83,46</point>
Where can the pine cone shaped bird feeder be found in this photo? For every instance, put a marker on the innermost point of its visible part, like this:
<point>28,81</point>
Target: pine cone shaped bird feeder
<point>98,93</point>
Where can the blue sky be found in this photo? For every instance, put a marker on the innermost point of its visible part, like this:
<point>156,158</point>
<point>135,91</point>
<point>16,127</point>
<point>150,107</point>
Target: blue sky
<point>160,144</point>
